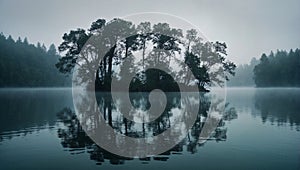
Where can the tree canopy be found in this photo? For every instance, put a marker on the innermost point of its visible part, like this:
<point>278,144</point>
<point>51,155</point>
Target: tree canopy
<point>157,44</point>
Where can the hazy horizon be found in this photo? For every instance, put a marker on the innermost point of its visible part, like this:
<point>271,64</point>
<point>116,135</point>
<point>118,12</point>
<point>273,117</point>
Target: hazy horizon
<point>249,28</point>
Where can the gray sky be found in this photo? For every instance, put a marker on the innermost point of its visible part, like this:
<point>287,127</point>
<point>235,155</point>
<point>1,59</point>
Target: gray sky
<point>249,28</point>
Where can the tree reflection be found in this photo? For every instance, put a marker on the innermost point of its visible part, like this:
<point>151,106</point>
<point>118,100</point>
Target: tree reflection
<point>75,140</point>
<point>279,106</point>
<point>115,58</point>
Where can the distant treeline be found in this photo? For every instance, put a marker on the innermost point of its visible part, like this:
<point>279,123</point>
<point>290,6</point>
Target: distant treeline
<point>27,65</point>
<point>243,75</point>
<point>281,69</point>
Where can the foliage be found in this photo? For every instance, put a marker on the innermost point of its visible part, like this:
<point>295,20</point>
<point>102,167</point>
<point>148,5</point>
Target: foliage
<point>279,69</point>
<point>165,45</point>
<point>25,65</point>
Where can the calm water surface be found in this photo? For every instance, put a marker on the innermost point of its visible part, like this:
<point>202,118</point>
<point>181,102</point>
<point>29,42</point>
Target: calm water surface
<point>260,130</point>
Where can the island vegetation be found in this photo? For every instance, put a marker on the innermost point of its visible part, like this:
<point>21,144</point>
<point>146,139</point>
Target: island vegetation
<point>165,44</point>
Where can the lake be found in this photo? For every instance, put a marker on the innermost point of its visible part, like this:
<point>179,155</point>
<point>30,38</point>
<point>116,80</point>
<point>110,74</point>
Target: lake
<point>260,130</point>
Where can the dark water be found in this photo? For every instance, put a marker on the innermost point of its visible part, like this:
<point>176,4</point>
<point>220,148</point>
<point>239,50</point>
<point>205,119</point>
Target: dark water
<point>260,130</point>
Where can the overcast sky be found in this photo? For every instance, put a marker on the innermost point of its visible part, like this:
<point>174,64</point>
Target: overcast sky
<point>249,28</point>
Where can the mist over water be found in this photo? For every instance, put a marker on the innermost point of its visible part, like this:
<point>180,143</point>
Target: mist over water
<point>260,129</point>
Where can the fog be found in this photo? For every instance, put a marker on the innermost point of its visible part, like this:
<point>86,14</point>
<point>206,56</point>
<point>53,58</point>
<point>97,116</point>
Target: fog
<point>249,28</point>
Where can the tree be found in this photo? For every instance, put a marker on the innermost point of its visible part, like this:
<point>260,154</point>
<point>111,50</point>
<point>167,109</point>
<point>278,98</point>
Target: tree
<point>278,69</point>
<point>25,41</point>
<point>52,50</point>
<point>143,28</point>
<point>164,44</point>
<point>25,65</point>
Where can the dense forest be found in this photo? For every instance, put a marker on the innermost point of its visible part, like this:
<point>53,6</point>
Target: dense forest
<point>26,65</point>
<point>281,69</point>
<point>243,75</point>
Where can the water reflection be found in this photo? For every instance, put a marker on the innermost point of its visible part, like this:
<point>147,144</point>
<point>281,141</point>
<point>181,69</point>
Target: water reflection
<point>279,106</point>
<point>76,141</point>
<point>41,123</point>
<point>24,111</point>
